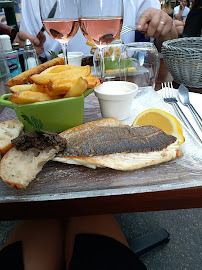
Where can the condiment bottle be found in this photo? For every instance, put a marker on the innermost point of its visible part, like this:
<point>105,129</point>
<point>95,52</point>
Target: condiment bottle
<point>4,74</point>
<point>30,56</point>
<point>11,56</point>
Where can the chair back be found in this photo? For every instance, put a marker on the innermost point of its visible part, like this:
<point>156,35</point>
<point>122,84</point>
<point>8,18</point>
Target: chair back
<point>9,8</point>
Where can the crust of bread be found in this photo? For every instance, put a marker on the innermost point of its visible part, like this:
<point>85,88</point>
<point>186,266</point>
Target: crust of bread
<point>25,76</point>
<point>18,169</point>
<point>9,130</point>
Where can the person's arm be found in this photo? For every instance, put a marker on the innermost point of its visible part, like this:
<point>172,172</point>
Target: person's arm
<point>30,25</point>
<point>157,24</point>
<point>38,44</point>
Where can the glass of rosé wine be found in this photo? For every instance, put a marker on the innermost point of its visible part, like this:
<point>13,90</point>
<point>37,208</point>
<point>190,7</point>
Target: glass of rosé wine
<point>101,23</point>
<point>60,20</point>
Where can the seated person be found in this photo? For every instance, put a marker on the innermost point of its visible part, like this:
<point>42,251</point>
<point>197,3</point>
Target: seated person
<point>137,13</point>
<point>193,25</point>
<point>88,242</point>
<point>179,16</point>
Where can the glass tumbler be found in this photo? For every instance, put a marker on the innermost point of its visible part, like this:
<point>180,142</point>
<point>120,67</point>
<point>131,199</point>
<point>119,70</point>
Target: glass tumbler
<point>112,54</point>
<point>136,62</point>
<point>143,63</point>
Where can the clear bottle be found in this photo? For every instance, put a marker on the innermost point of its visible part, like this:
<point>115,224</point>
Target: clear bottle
<point>11,56</point>
<point>30,56</point>
<point>4,74</point>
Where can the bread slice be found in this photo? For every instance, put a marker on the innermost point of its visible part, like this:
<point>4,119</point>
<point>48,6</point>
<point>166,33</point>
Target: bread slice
<point>25,76</point>
<point>19,168</point>
<point>9,130</point>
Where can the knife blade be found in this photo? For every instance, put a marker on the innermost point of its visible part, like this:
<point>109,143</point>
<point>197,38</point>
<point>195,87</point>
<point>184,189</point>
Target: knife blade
<point>50,15</point>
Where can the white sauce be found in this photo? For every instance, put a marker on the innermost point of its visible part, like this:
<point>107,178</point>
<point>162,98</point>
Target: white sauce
<point>114,90</point>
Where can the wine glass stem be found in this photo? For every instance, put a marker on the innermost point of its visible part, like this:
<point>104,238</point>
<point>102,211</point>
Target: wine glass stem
<point>102,55</point>
<point>64,49</point>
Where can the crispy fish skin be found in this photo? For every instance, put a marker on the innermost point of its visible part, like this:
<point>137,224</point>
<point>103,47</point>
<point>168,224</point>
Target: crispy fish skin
<point>109,140</point>
<point>108,143</point>
<point>25,76</point>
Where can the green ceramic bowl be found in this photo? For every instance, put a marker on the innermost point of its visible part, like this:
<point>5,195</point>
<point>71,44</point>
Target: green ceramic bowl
<point>56,115</point>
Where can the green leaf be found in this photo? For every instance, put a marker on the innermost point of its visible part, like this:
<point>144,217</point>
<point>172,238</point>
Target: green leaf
<point>36,123</point>
<point>53,54</point>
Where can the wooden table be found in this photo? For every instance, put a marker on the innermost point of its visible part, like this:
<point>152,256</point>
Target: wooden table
<point>68,204</point>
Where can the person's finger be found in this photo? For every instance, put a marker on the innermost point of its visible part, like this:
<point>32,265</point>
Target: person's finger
<point>23,35</point>
<point>43,39</point>
<point>164,26</point>
<point>144,19</point>
<point>153,25</point>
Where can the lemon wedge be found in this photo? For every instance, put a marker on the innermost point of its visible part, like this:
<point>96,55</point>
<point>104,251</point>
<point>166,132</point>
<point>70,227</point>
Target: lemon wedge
<point>163,120</point>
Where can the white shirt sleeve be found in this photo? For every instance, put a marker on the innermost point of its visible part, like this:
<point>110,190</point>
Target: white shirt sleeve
<point>132,11</point>
<point>30,18</point>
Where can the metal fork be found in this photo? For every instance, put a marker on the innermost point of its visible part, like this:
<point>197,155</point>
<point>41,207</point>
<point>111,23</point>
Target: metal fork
<point>127,29</point>
<point>168,97</point>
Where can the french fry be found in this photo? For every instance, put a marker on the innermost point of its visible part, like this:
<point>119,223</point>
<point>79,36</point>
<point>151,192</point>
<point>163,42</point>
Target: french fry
<point>23,87</point>
<point>61,86</point>
<point>26,97</point>
<point>38,88</point>
<point>52,94</point>
<point>77,89</point>
<point>25,76</point>
<point>57,69</point>
<point>71,73</point>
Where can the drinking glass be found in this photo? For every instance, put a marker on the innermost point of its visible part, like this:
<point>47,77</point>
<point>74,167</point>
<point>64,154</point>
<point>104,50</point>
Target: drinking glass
<point>101,23</point>
<point>60,19</point>
<point>142,64</point>
<point>136,62</point>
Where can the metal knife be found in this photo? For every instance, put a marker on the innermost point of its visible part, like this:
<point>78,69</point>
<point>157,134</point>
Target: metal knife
<point>50,15</point>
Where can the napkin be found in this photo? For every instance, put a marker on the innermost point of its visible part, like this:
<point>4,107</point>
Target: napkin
<point>147,98</point>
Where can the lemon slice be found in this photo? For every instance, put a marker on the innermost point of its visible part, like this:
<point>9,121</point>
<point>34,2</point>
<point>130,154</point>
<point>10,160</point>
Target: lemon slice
<point>163,120</point>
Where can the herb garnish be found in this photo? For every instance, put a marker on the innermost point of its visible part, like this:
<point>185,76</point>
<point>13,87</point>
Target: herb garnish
<point>36,124</point>
<point>53,54</point>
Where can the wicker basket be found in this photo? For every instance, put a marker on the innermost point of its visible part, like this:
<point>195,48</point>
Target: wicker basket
<point>183,58</point>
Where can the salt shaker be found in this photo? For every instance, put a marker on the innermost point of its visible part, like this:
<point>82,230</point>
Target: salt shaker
<point>30,56</point>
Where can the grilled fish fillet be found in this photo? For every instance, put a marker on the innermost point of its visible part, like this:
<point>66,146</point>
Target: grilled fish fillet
<point>109,143</point>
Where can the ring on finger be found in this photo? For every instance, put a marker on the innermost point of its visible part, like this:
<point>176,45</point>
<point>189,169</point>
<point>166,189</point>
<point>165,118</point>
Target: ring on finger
<point>162,22</point>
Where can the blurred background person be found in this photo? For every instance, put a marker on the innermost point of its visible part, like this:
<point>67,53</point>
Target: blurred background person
<point>167,8</point>
<point>180,14</point>
<point>193,24</point>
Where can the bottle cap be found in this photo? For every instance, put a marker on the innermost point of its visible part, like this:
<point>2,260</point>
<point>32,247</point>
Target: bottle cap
<point>15,46</point>
<point>6,42</point>
<point>28,45</point>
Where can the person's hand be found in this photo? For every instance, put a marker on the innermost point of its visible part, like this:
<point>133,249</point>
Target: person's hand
<point>38,44</point>
<point>182,6</point>
<point>155,23</point>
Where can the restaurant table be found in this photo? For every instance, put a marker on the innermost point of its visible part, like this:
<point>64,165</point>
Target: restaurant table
<point>69,200</point>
